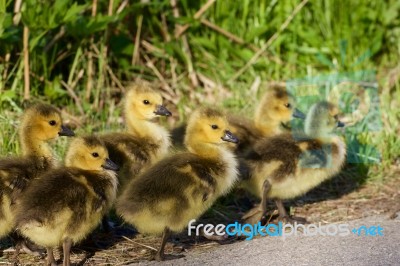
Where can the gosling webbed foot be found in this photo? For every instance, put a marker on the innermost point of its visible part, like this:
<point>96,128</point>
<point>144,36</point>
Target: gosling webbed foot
<point>159,257</point>
<point>215,237</point>
<point>254,216</point>
<point>285,217</point>
<point>292,219</point>
<point>32,249</point>
<point>22,244</point>
<point>164,257</point>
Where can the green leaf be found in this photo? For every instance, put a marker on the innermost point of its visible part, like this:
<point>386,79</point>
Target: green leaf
<point>35,40</point>
<point>73,12</point>
<point>343,49</point>
<point>8,95</point>
<point>54,90</point>
<point>256,32</point>
<point>390,15</point>
<point>121,45</point>
<point>367,54</point>
<point>203,41</point>
<point>324,60</point>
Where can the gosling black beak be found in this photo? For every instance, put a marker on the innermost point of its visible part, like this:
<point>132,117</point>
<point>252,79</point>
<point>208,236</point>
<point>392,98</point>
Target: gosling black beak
<point>228,136</point>
<point>340,124</point>
<point>66,132</point>
<point>110,165</point>
<point>298,114</point>
<point>161,110</point>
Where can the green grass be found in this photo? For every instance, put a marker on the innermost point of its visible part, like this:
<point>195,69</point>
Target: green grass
<point>324,37</point>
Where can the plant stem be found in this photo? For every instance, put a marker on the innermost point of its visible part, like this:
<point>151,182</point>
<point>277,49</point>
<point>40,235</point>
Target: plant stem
<point>26,63</point>
<point>186,49</point>
<point>89,83</point>
<point>198,14</point>
<point>135,57</point>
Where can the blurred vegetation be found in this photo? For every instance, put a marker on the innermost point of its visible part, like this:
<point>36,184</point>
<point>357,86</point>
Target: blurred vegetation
<point>79,55</point>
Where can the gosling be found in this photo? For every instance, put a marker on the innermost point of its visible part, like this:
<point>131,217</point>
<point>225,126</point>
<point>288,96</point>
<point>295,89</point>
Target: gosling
<point>276,108</point>
<point>177,189</point>
<point>284,167</point>
<point>145,141</point>
<point>67,203</point>
<point>40,124</point>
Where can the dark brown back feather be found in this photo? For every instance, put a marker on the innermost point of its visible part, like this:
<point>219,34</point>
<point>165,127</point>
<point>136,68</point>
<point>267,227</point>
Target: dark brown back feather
<point>165,180</point>
<point>58,189</point>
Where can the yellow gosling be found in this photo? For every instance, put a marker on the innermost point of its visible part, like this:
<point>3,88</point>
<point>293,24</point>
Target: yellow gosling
<point>67,203</point>
<point>40,124</point>
<point>284,167</point>
<point>179,188</point>
<point>145,141</point>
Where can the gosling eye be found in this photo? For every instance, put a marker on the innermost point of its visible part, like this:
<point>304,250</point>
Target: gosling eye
<point>336,117</point>
<point>95,154</point>
<point>288,105</point>
<point>146,102</point>
<point>52,123</point>
<point>214,126</point>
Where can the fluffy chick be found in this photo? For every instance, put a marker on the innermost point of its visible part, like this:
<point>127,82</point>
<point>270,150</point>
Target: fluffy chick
<point>39,124</point>
<point>276,108</point>
<point>287,166</point>
<point>177,189</point>
<point>145,141</point>
<point>66,204</point>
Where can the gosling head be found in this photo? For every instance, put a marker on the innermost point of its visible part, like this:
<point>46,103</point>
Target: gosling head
<point>144,103</point>
<point>322,119</point>
<point>208,126</point>
<point>277,105</point>
<point>43,122</point>
<point>89,153</point>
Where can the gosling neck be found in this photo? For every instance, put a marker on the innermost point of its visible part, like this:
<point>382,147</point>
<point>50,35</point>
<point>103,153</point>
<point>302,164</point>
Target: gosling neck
<point>147,129</point>
<point>316,130</point>
<point>272,127</point>
<point>32,146</point>
<point>322,136</point>
<point>206,150</point>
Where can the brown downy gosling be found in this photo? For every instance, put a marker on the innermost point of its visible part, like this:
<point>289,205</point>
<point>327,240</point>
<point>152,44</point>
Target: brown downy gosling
<point>276,108</point>
<point>67,203</point>
<point>145,141</point>
<point>285,166</point>
<point>40,124</point>
<point>179,188</point>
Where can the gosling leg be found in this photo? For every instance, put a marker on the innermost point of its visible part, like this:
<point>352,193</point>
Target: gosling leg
<point>264,199</point>
<point>160,252</point>
<point>67,250</point>
<point>257,214</point>
<point>51,261</point>
<point>281,209</point>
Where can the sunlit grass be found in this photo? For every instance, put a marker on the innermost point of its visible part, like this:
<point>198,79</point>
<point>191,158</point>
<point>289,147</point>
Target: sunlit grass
<point>324,38</point>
